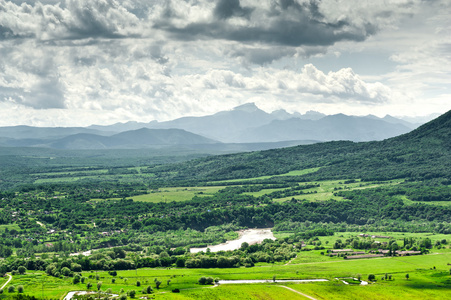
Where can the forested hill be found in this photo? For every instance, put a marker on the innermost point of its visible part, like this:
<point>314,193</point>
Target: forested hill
<point>438,130</point>
<point>421,154</point>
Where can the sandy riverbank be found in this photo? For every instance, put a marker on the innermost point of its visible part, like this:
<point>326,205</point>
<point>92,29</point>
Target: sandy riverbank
<point>250,236</point>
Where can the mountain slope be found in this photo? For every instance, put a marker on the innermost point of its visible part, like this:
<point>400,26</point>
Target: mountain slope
<point>422,153</point>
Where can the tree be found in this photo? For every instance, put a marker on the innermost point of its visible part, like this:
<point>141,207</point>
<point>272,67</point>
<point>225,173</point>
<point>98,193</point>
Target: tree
<point>202,280</point>
<point>76,279</point>
<point>99,285</point>
<point>244,246</point>
<point>149,289</point>
<point>65,271</point>
<point>132,293</point>
<point>20,288</point>
<point>138,283</point>
<point>157,283</point>
<point>88,285</point>
<point>371,277</point>
<point>22,270</point>
<point>11,289</point>
<point>180,263</point>
<point>407,276</point>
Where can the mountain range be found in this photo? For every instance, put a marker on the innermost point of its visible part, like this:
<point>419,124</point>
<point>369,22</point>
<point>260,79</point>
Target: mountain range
<point>244,128</point>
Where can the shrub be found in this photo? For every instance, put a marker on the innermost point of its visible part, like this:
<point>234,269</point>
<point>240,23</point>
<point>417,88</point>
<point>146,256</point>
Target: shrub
<point>76,279</point>
<point>11,289</point>
<point>138,283</point>
<point>132,293</point>
<point>123,297</point>
<point>20,288</point>
<point>22,270</point>
<point>202,280</point>
<point>371,277</point>
<point>157,283</point>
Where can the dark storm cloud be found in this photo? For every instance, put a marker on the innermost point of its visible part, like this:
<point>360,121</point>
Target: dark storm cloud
<point>229,8</point>
<point>262,56</point>
<point>285,23</point>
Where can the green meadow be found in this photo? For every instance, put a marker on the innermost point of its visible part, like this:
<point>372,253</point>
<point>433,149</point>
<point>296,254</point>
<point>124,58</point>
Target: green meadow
<point>429,278</point>
<point>177,194</point>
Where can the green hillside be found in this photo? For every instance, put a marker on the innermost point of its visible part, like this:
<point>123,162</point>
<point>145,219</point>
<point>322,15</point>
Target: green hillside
<point>422,153</point>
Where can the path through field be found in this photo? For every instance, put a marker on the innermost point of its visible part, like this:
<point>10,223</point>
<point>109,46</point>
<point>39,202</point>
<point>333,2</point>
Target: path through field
<point>6,283</point>
<point>307,296</point>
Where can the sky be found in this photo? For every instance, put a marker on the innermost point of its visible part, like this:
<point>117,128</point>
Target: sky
<point>83,62</point>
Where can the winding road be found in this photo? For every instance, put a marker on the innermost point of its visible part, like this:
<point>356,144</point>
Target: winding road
<point>6,283</point>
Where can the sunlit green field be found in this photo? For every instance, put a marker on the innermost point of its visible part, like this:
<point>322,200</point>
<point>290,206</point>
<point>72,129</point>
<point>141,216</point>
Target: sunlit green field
<point>177,194</point>
<point>248,291</point>
<point>425,281</point>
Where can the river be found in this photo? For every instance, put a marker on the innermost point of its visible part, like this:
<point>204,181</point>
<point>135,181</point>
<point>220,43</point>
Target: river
<point>250,236</point>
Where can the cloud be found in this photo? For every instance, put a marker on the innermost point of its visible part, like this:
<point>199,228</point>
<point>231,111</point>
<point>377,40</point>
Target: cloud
<point>229,8</point>
<point>73,19</point>
<point>288,23</point>
<point>344,84</point>
<point>261,55</point>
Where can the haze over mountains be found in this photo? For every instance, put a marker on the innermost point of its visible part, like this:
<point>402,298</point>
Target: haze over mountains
<point>244,128</point>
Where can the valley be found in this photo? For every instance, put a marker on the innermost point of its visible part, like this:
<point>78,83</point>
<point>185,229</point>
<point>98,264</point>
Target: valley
<point>376,211</point>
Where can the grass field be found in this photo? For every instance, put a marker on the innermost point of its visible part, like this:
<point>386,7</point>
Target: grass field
<point>251,292</point>
<point>424,282</point>
<point>177,194</point>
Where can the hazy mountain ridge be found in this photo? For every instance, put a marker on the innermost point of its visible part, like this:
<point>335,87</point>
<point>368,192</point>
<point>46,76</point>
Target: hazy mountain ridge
<point>243,124</point>
<point>329,128</point>
<point>134,139</point>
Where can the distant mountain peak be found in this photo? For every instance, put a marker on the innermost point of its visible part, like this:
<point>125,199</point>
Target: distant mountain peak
<point>247,107</point>
<point>281,114</point>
